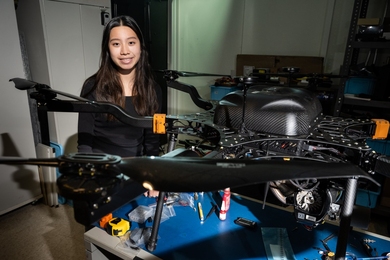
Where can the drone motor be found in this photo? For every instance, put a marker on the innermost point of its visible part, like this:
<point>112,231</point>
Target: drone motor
<point>311,206</point>
<point>89,176</point>
<point>87,188</point>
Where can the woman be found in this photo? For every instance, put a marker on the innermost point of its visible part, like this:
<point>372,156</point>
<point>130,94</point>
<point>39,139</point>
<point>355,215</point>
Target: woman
<point>125,79</point>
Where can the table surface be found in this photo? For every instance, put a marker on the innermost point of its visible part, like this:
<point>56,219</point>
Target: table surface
<point>184,236</point>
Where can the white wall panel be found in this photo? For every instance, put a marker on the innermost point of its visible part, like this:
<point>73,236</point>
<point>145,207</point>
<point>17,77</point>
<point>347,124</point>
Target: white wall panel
<point>208,35</point>
<point>279,27</point>
<point>19,185</point>
<point>73,36</point>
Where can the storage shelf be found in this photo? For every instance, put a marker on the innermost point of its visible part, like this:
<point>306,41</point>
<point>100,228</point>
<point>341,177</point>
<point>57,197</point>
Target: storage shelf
<point>371,45</point>
<point>367,103</point>
<point>351,59</point>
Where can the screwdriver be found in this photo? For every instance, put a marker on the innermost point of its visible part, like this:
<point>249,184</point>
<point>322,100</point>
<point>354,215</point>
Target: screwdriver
<point>212,210</point>
<point>200,212</point>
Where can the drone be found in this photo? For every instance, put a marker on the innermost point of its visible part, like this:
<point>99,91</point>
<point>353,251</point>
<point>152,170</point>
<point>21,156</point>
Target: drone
<point>275,135</point>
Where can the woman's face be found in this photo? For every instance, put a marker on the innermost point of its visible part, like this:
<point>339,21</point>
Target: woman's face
<point>125,48</point>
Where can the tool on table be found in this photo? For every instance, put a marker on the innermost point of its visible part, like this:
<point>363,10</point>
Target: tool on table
<point>225,204</point>
<point>325,241</point>
<point>367,240</point>
<point>245,223</point>
<point>201,216</point>
<point>367,248</point>
<point>117,226</point>
<point>212,210</point>
<point>104,220</point>
<point>329,256</point>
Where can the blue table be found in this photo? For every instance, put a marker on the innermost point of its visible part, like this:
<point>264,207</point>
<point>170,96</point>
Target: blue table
<point>185,237</point>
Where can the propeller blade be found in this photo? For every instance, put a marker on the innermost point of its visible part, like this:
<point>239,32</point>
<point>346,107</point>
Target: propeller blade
<point>182,174</point>
<point>68,95</point>
<point>190,74</point>
<point>70,159</point>
<point>54,162</point>
<point>188,174</point>
<point>195,74</point>
<point>300,75</point>
<point>23,84</point>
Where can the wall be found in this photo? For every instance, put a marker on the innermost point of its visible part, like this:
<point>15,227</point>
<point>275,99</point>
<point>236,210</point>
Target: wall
<point>19,185</point>
<point>207,36</point>
<point>298,28</point>
<point>63,40</point>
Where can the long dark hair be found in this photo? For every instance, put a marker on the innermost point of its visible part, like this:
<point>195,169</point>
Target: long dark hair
<point>108,87</point>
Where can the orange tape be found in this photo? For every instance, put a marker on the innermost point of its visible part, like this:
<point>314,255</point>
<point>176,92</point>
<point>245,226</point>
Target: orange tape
<point>382,129</point>
<point>159,124</point>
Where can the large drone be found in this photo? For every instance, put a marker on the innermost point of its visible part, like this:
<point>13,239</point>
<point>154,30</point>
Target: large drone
<point>261,134</point>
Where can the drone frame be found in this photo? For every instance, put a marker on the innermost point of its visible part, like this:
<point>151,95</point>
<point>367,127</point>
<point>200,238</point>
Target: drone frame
<point>46,101</point>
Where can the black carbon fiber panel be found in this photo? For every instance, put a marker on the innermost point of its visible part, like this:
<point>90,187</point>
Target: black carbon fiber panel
<point>382,165</point>
<point>274,110</point>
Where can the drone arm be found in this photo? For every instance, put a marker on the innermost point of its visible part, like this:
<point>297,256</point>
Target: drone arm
<point>191,90</point>
<point>53,162</point>
<point>45,96</point>
<point>96,107</point>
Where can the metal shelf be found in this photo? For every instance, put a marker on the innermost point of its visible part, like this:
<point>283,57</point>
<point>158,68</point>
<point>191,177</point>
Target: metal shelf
<point>351,58</point>
<point>371,45</point>
<point>367,103</point>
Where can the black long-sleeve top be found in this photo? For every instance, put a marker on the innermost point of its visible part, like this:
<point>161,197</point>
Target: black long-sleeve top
<point>97,134</point>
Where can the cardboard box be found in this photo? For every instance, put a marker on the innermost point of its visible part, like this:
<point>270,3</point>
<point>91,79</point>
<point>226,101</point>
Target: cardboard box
<point>276,62</point>
<point>368,21</point>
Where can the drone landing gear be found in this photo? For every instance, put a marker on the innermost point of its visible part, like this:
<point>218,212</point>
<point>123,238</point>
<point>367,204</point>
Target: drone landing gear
<point>247,82</point>
<point>345,218</point>
<point>152,243</point>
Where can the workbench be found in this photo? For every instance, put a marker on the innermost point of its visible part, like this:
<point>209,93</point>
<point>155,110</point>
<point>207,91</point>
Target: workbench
<point>184,236</point>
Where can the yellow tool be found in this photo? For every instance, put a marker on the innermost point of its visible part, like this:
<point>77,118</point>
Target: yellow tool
<point>117,227</point>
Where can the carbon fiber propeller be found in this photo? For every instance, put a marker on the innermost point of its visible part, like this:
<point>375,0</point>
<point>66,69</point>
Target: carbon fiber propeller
<point>182,174</point>
<point>24,84</point>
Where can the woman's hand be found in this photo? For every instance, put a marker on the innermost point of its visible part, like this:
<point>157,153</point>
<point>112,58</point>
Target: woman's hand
<point>151,193</point>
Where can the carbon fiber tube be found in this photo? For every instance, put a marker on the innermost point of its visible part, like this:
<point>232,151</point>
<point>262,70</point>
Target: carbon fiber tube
<point>345,218</point>
<point>152,243</point>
